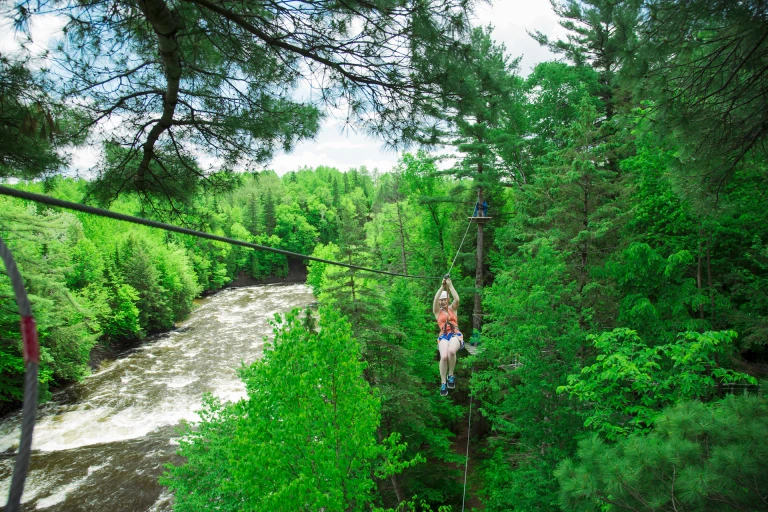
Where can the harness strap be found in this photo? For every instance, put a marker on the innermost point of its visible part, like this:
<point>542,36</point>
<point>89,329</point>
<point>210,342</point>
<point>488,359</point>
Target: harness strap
<point>447,323</point>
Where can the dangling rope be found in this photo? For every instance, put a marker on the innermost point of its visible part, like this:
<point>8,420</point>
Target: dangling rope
<point>466,460</point>
<point>31,352</point>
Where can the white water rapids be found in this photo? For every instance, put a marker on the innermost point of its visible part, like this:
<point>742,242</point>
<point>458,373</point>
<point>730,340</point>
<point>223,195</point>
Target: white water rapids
<point>100,445</point>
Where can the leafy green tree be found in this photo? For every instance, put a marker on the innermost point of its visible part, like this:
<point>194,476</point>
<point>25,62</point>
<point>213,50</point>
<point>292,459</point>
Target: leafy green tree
<point>316,271</point>
<point>270,218</point>
<point>67,323</point>
<point>177,279</point>
<point>531,339</point>
<point>296,233</point>
<point>702,268</point>
<point>554,92</point>
<point>264,264</point>
<point>631,382</point>
<point>121,316</point>
<point>304,439</point>
<point>238,257</point>
<point>397,345</point>
<point>87,265</point>
<point>429,192</point>
<point>141,273</point>
<point>698,458</point>
<point>659,297</point>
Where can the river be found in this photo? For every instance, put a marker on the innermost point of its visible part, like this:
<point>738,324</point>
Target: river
<point>100,445</point>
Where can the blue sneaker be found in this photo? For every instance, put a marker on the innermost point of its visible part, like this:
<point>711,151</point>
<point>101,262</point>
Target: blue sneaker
<point>451,382</point>
<point>444,390</point>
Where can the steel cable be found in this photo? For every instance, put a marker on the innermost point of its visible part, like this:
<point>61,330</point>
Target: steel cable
<point>29,332</point>
<point>51,201</point>
<point>459,250</point>
<point>31,353</point>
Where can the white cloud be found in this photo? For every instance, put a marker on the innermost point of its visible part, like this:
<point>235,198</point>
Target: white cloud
<point>334,149</point>
<point>513,19</point>
<point>83,160</point>
<point>341,144</point>
<point>44,33</point>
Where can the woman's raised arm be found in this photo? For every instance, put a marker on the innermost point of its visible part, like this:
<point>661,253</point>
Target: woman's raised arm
<point>436,300</point>
<point>449,284</point>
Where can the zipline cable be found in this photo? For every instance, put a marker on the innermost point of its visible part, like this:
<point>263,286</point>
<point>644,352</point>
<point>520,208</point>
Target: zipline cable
<point>466,460</point>
<point>459,250</point>
<point>51,201</point>
<point>31,352</point>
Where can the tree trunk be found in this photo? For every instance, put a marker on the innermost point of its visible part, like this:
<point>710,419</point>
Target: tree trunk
<point>164,25</point>
<point>392,478</point>
<point>477,311</point>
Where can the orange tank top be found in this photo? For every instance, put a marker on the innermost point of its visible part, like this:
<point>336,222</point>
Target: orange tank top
<point>447,320</point>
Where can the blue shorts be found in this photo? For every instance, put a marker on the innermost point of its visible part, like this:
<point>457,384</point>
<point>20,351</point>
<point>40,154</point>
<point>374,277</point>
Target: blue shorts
<point>448,336</point>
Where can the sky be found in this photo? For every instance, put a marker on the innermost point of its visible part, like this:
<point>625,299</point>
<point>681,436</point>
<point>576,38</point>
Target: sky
<point>347,149</point>
<point>343,148</point>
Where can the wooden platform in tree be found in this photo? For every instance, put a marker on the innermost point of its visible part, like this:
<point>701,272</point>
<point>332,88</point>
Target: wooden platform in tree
<point>473,349</point>
<point>481,220</point>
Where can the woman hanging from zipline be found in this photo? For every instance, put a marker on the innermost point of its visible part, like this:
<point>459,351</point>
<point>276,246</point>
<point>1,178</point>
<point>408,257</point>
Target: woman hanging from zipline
<point>450,340</point>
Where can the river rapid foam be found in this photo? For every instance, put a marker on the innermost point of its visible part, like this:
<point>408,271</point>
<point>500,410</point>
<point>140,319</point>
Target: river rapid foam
<point>100,444</point>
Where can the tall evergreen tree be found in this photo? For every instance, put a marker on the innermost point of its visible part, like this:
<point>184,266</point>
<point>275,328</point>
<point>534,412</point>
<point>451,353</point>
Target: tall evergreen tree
<point>141,273</point>
<point>270,219</point>
<point>335,191</point>
<point>699,457</point>
<point>253,221</point>
<point>601,34</point>
<point>30,125</point>
<point>483,94</point>
<point>704,65</point>
<point>547,296</point>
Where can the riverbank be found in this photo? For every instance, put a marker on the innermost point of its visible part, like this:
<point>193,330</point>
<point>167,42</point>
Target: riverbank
<point>101,444</point>
<point>297,274</point>
<point>105,352</point>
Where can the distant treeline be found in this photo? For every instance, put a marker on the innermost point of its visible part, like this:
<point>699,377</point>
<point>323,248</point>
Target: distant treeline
<point>95,281</point>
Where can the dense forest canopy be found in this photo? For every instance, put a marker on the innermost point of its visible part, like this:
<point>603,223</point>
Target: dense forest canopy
<point>623,281</point>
